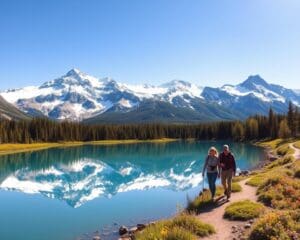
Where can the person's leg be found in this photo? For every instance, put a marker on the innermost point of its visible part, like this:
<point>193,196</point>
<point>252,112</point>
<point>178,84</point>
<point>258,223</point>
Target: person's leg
<point>214,178</point>
<point>210,182</point>
<point>223,180</point>
<point>229,181</point>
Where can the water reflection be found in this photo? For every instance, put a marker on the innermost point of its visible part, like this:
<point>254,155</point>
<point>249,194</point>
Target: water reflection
<point>79,174</point>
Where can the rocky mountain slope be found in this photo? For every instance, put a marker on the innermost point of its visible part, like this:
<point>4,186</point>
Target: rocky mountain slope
<point>77,96</point>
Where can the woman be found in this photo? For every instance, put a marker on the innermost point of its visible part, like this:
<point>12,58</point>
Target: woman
<point>212,167</point>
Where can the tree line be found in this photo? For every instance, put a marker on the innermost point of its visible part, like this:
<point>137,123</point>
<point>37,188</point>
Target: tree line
<point>255,127</point>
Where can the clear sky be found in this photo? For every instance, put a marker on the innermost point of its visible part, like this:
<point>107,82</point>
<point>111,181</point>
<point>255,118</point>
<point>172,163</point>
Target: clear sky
<point>150,41</point>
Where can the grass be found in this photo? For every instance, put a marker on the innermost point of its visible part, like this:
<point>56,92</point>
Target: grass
<point>239,178</point>
<point>235,187</point>
<point>10,148</point>
<point>181,227</point>
<point>277,225</point>
<point>297,144</point>
<point>203,201</point>
<point>243,210</point>
<point>280,162</point>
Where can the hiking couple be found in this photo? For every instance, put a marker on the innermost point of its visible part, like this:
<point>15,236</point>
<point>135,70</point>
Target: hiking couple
<point>219,165</point>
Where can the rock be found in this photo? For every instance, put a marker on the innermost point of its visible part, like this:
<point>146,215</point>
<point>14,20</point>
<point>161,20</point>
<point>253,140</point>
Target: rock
<point>151,223</point>
<point>133,229</point>
<point>123,230</point>
<point>96,238</point>
<point>251,221</point>
<point>141,226</point>
<point>247,225</point>
<point>244,173</point>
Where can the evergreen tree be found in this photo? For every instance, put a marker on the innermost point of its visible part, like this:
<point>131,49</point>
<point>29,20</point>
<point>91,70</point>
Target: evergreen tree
<point>284,130</point>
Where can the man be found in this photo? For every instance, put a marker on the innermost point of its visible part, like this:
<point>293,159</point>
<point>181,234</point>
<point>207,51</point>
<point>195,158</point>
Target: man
<point>228,169</point>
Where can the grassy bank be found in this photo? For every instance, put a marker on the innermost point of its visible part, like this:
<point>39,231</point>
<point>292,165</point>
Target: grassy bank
<point>11,148</point>
<point>278,188</point>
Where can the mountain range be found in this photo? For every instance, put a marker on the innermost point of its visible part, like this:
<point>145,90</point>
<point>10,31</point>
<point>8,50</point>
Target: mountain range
<point>77,96</point>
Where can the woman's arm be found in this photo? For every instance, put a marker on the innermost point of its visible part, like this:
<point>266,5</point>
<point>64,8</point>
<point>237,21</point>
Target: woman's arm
<point>205,166</point>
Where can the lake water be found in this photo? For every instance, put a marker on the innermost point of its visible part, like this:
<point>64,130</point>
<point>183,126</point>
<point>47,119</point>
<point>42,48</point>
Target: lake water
<point>66,193</point>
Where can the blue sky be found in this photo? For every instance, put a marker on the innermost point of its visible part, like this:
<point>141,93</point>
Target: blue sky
<point>138,41</point>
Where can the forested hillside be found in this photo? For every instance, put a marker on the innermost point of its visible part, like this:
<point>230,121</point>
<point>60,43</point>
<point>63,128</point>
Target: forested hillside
<point>256,127</point>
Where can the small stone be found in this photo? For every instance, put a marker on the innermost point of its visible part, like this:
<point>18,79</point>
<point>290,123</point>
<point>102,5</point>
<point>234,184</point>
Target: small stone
<point>140,226</point>
<point>247,225</point>
<point>123,230</point>
<point>251,221</point>
<point>96,238</point>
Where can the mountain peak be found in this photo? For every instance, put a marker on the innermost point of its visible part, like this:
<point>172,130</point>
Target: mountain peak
<point>73,71</point>
<point>253,80</point>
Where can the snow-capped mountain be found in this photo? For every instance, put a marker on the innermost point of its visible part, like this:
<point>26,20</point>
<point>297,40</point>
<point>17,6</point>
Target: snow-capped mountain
<point>78,96</point>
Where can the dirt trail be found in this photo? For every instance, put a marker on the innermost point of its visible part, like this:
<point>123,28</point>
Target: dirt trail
<point>297,151</point>
<point>215,216</point>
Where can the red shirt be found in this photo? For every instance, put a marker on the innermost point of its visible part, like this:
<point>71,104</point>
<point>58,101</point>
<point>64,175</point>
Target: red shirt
<point>227,161</point>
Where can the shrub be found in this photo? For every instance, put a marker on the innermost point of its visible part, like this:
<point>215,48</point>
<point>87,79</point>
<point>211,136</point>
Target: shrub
<point>235,187</point>
<point>243,210</point>
<point>182,227</point>
<point>277,225</point>
<point>280,192</point>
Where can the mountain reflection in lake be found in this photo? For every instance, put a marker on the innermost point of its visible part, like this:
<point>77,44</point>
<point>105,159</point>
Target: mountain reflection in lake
<point>78,175</point>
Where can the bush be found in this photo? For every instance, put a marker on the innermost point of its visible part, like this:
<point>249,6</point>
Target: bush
<point>281,192</point>
<point>235,187</point>
<point>277,225</point>
<point>182,227</point>
<point>243,210</point>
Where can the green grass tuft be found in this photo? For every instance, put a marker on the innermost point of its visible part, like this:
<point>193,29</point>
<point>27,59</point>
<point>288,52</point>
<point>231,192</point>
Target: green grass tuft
<point>243,210</point>
<point>182,227</point>
<point>235,187</point>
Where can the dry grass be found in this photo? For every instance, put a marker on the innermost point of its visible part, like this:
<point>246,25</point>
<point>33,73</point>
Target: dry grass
<point>10,148</point>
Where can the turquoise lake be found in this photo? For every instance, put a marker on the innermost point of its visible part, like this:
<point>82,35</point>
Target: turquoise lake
<point>69,193</point>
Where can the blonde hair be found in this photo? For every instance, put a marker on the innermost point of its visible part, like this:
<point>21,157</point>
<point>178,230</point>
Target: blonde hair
<point>215,150</point>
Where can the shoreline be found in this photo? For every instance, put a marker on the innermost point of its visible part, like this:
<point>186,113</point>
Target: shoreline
<point>12,148</point>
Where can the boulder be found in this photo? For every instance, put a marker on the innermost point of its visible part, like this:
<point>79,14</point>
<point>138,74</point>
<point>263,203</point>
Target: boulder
<point>123,230</point>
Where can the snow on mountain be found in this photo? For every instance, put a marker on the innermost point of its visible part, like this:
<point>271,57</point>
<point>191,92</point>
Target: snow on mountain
<point>77,96</point>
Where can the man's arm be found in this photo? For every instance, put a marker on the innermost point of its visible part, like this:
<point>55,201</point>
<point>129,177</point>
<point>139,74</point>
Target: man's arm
<point>234,164</point>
